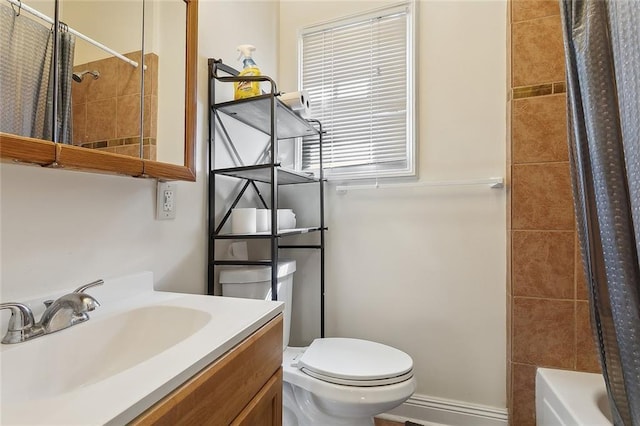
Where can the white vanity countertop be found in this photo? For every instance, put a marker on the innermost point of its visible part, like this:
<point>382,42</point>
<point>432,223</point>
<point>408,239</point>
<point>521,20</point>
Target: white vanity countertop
<point>119,394</point>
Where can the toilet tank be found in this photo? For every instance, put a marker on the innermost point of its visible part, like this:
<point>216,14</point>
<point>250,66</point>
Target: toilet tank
<point>254,282</point>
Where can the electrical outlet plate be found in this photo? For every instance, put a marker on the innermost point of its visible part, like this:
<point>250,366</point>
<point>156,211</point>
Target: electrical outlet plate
<point>166,201</point>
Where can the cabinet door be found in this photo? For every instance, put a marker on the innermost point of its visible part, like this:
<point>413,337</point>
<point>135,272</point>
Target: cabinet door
<point>266,408</point>
<point>223,390</point>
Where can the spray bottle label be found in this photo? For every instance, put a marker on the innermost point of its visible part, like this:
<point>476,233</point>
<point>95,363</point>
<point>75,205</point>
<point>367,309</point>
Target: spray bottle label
<point>247,89</point>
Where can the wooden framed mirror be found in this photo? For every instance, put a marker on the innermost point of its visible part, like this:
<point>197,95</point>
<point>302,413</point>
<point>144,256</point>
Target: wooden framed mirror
<point>45,153</point>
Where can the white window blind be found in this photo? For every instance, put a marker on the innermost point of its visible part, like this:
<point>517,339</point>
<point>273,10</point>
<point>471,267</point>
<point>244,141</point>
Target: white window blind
<point>359,76</point>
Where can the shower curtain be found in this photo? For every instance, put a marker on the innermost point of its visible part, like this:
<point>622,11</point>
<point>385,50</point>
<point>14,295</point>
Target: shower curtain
<point>602,55</point>
<point>64,125</point>
<point>26,79</point>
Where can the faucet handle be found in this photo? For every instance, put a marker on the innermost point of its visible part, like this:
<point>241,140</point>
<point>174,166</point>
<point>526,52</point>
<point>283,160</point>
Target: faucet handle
<point>83,288</point>
<point>21,315</point>
<point>21,323</point>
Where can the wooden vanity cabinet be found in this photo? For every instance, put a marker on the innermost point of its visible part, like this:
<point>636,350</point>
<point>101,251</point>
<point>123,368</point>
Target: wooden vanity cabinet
<point>243,387</point>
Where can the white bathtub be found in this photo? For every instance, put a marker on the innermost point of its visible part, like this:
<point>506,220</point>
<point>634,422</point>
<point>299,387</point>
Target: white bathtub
<point>571,398</point>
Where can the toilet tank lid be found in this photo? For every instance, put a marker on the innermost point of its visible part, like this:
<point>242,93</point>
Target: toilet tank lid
<point>255,274</point>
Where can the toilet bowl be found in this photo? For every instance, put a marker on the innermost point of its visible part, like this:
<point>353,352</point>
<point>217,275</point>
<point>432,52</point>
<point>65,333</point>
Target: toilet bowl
<point>333,381</point>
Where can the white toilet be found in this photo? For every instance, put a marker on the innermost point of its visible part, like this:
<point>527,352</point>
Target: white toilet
<point>333,381</point>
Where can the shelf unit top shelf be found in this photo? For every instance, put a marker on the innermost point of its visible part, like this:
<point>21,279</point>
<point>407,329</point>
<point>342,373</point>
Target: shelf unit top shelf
<point>267,234</point>
<point>256,112</point>
<point>262,173</point>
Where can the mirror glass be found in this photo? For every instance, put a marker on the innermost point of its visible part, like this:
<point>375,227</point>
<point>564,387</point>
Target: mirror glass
<point>113,117</point>
<point>106,83</point>
<point>26,80</point>
<point>164,100</point>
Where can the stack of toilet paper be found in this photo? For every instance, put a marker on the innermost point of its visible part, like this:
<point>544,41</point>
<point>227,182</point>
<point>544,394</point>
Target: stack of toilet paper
<point>252,220</point>
<point>297,101</point>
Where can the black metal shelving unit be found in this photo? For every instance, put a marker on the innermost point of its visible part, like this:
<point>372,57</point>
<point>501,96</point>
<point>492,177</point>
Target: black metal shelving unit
<point>270,116</point>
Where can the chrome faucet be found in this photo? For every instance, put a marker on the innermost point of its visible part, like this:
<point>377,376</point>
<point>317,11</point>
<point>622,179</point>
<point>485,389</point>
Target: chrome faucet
<point>67,310</point>
<point>22,326</point>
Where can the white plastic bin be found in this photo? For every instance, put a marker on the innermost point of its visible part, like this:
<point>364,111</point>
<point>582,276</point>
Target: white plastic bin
<point>254,282</point>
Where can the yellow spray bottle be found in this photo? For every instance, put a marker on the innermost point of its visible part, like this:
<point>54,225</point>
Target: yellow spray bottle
<point>247,89</point>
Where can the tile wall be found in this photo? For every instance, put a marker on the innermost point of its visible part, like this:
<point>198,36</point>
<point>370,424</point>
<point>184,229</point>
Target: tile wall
<point>549,324</point>
<point>106,111</point>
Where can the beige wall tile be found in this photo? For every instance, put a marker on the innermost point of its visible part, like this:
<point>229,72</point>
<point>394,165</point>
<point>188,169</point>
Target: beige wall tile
<point>130,150</point>
<point>79,118</point>
<point>538,52</point>
<point>541,197</point>
<point>539,129</point>
<point>150,116</point>
<point>128,116</point>
<point>523,412</point>
<point>128,76</point>
<point>105,86</point>
<point>544,332</point>
<point>151,74</point>
<point>149,152</point>
<point>522,10</point>
<point>543,264</point>
<point>586,349</point>
<point>101,120</point>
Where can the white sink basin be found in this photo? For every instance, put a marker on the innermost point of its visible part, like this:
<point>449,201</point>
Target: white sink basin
<point>138,346</point>
<point>98,349</point>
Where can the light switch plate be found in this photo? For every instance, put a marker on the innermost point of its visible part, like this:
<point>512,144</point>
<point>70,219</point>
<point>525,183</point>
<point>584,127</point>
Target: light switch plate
<point>166,201</point>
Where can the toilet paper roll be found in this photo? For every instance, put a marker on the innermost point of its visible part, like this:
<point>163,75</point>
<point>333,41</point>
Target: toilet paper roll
<point>286,219</point>
<point>243,221</point>
<point>263,220</point>
<point>297,101</point>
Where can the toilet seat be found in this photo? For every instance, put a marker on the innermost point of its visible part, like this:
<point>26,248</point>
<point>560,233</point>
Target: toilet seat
<point>355,362</point>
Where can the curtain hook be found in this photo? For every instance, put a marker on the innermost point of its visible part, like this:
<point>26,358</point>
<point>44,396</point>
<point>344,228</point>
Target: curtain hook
<point>19,8</point>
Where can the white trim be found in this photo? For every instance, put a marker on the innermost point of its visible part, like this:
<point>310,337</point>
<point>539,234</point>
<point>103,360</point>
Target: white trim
<point>428,410</point>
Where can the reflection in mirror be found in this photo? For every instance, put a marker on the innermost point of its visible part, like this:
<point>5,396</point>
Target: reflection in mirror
<point>164,45</point>
<point>103,159</point>
<point>26,78</point>
<point>107,82</point>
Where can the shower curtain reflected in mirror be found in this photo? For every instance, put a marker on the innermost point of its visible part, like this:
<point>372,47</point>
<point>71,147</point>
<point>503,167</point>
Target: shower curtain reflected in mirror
<point>26,78</point>
<point>64,124</point>
<point>602,53</point>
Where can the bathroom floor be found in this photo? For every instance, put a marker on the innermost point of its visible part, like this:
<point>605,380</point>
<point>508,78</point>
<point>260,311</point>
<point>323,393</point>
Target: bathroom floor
<point>380,422</point>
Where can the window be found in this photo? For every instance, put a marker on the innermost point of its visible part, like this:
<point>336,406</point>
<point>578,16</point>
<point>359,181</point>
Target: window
<point>358,72</point>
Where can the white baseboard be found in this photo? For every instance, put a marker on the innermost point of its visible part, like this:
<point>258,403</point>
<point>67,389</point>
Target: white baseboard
<point>430,411</point>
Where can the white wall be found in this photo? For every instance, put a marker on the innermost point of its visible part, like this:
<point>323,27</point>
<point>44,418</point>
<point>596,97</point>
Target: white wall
<point>169,46</point>
<point>115,23</point>
<point>424,269</point>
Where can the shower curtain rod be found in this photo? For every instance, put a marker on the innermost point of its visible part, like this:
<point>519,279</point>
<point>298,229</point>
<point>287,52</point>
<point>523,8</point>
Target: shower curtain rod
<point>34,12</point>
